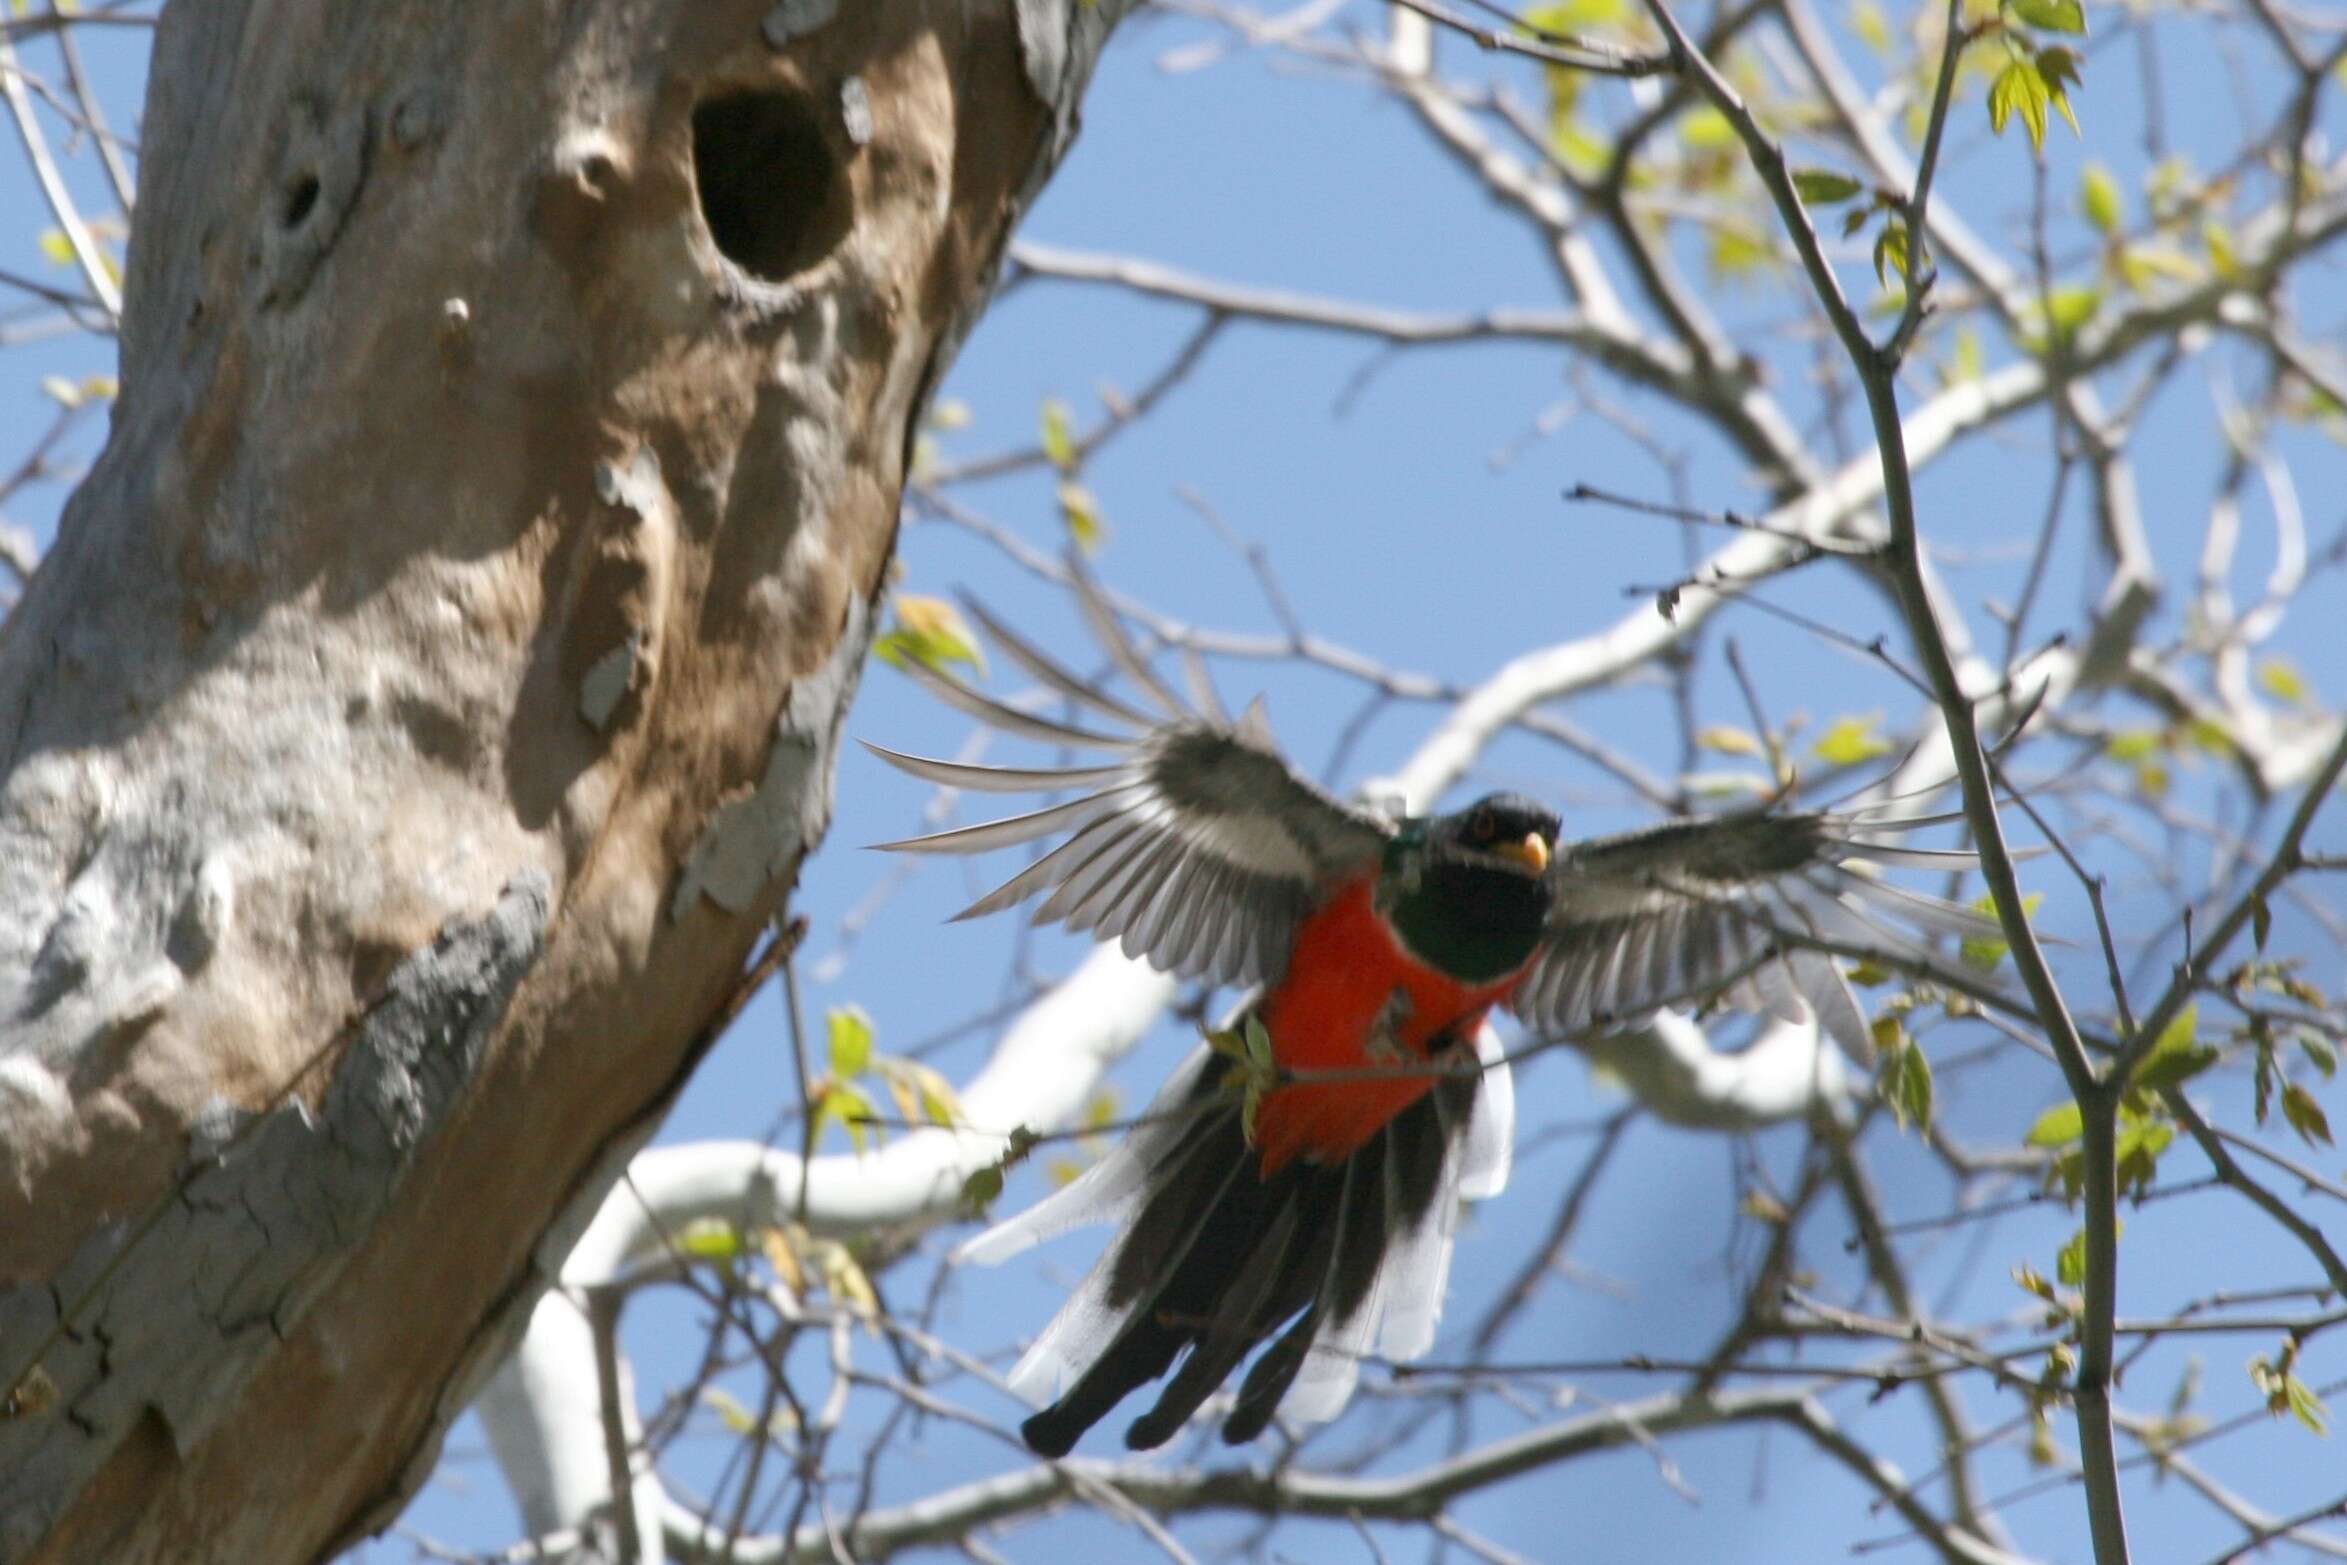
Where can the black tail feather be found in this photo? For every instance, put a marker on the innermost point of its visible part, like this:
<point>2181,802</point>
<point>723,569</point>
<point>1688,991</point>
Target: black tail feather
<point>1204,1183</point>
<point>1219,1259</point>
<point>1269,1380</point>
<point>1218,1347</point>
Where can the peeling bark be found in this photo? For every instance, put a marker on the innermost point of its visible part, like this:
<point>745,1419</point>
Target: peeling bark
<point>434,687</point>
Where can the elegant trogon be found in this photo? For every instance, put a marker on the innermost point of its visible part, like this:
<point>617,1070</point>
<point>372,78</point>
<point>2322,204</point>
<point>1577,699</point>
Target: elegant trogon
<point>1378,946</point>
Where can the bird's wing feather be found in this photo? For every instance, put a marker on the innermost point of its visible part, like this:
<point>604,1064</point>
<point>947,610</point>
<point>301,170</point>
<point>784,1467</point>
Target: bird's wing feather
<point>1198,849</point>
<point>1692,908</point>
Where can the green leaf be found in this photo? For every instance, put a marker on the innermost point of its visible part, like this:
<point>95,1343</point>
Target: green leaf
<point>1726,740</point>
<point>2068,1171</point>
<point>2305,1115</point>
<point>984,1185</point>
<point>781,1247</point>
<point>938,1099</point>
<point>2134,745</point>
<point>930,632</point>
<point>1253,1072</point>
<point>1966,363</point>
<point>728,1409</point>
<point>1080,514</point>
<point>2305,1406</point>
<point>711,1239</point>
<point>2061,316</point>
<point>2053,16</point>
<point>845,1281</point>
<point>2284,1392</point>
<point>1706,129</point>
<point>1737,250</point>
<point>1906,1074</point>
<point>2068,309</point>
<point>2187,1391</point>
<point>2137,1154</point>
<point>1581,149</point>
<point>55,247</point>
<point>2044,1449</point>
<point>981,1190</point>
<point>2141,265</point>
<point>1890,253</point>
<point>2222,259</point>
<point>920,1093</point>
<point>1872,28</point>
<point>1570,18</point>
<point>2279,677</point>
<point>897,1076</point>
<point>2098,196</point>
<point>2018,89</point>
<point>1852,740</point>
<point>2057,1126</point>
<point>2175,1058</point>
<point>1059,443</point>
<point>1726,785</point>
<point>2319,1052</point>
<point>2031,82</point>
<point>1825,187</point>
<point>1986,951</point>
<point>850,1107</point>
<point>2070,1263</point>
<point>849,1031</point>
<point>948,414</point>
<point>2059,70</point>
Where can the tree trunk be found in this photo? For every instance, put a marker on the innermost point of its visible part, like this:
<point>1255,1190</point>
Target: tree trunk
<point>432,692</point>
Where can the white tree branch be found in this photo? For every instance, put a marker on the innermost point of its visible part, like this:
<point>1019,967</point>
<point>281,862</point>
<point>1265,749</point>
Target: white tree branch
<point>1828,513</point>
<point>541,1408</point>
<point>1413,1495</point>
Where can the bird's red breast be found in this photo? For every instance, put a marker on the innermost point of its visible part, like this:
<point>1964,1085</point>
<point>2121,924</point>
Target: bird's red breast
<point>1324,1015</point>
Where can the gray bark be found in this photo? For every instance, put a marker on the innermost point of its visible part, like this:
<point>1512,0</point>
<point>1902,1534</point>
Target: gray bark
<point>433,690</point>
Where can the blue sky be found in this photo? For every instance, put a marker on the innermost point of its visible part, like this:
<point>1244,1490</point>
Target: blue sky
<point>1393,530</point>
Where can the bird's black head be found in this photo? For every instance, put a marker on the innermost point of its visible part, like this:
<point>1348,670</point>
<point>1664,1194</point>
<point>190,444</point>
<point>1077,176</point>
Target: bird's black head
<point>1506,826</point>
<point>1466,891</point>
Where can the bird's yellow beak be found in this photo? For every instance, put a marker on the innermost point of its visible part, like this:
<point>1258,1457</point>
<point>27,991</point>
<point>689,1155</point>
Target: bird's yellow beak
<point>1532,852</point>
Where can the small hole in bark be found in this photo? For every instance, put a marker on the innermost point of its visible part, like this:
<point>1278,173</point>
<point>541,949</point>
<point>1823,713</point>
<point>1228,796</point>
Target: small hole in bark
<point>300,196</point>
<point>769,185</point>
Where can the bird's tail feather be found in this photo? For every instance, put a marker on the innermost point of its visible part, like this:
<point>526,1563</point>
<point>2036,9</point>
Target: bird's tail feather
<point>1330,1262</point>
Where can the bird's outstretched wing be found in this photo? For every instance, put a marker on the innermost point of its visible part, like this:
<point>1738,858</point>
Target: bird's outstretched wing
<point>1195,846</point>
<point>1693,908</point>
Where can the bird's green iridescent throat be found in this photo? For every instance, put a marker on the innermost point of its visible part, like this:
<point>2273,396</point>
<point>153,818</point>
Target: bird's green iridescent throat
<point>1468,918</point>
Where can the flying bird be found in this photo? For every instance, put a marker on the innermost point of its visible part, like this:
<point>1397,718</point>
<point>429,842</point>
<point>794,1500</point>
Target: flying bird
<point>1315,1207</point>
